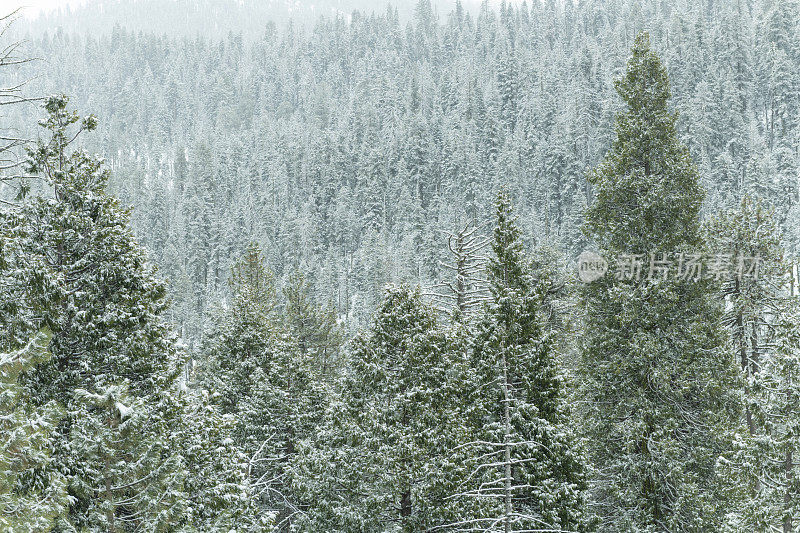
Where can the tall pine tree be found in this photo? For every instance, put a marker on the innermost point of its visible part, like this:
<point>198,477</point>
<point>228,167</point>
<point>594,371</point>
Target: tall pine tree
<point>92,285</point>
<point>659,390</point>
<point>529,472</point>
<point>382,461</point>
<point>257,373</point>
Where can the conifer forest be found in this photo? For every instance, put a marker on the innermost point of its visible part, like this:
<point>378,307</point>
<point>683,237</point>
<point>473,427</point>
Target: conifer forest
<point>429,266</point>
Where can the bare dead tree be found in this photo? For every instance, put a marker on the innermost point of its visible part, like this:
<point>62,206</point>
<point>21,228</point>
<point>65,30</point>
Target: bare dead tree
<point>461,295</point>
<point>12,143</point>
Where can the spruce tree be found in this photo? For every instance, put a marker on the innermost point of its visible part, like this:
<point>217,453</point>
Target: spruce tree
<point>761,320</point>
<point>28,503</point>
<point>124,464</point>
<point>659,390</point>
<point>382,460</point>
<point>313,327</point>
<point>80,272</point>
<point>529,469</point>
<point>256,372</point>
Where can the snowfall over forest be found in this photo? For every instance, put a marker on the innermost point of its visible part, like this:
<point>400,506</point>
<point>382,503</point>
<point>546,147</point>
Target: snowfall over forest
<point>344,266</point>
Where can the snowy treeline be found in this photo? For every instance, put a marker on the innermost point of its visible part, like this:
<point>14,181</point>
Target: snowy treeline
<point>345,149</point>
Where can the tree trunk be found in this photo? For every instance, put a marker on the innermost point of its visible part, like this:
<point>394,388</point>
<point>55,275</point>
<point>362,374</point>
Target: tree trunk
<point>405,504</point>
<point>788,466</point>
<point>507,442</point>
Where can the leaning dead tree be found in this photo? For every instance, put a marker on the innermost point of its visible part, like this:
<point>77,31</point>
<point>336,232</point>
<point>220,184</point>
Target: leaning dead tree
<point>467,288</point>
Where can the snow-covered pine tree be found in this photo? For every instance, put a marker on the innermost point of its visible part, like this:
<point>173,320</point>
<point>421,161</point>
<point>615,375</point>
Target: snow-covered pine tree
<point>105,312</point>
<point>256,372</point>
<point>220,497</point>
<point>528,469</point>
<point>382,460</point>
<point>80,272</point>
<point>104,305</point>
<point>761,318</point>
<point>659,390</point>
<point>28,504</point>
<point>312,326</point>
<point>243,333</point>
<point>124,464</point>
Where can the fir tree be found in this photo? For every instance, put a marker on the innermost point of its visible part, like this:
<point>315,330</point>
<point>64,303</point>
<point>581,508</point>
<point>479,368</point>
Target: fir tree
<point>764,338</point>
<point>658,388</point>
<point>382,460</point>
<point>28,503</point>
<point>257,373</point>
<point>313,327</point>
<point>104,304</point>
<point>527,462</point>
<point>125,465</point>
<point>105,310</point>
<point>92,285</point>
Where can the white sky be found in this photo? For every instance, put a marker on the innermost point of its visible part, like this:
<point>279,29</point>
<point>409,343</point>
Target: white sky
<point>31,8</point>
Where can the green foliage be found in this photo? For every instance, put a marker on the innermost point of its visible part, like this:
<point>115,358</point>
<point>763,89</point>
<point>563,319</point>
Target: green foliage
<point>529,468</point>
<point>29,503</point>
<point>659,392</point>
<point>383,458</point>
<point>314,328</point>
<point>123,464</point>
<point>220,498</point>
<point>647,193</point>
<point>257,373</point>
<point>106,308</point>
<point>73,259</point>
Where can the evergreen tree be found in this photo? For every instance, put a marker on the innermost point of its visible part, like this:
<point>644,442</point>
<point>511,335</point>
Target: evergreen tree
<point>257,373</point>
<point>658,388</point>
<point>527,462</point>
<point>218,490</point>
<point>104,306</point>
<point>124,464</point>
<point>763,335</point>
<point>27,504</point>
<point>381,462</point>
<point>312,327</point>
<point>111,348</point>
<point>105,311</point>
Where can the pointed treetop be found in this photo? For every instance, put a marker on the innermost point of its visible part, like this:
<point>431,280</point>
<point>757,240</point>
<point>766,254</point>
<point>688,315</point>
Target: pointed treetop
<point>645,85</point>
<point>252,282</point>
<point>506,268</point>
<point>647,192</point>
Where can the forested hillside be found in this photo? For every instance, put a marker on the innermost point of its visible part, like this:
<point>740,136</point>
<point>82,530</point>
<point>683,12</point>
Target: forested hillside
<point>215,18</point>
<point>345,150</point>
<point>322,277</point>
